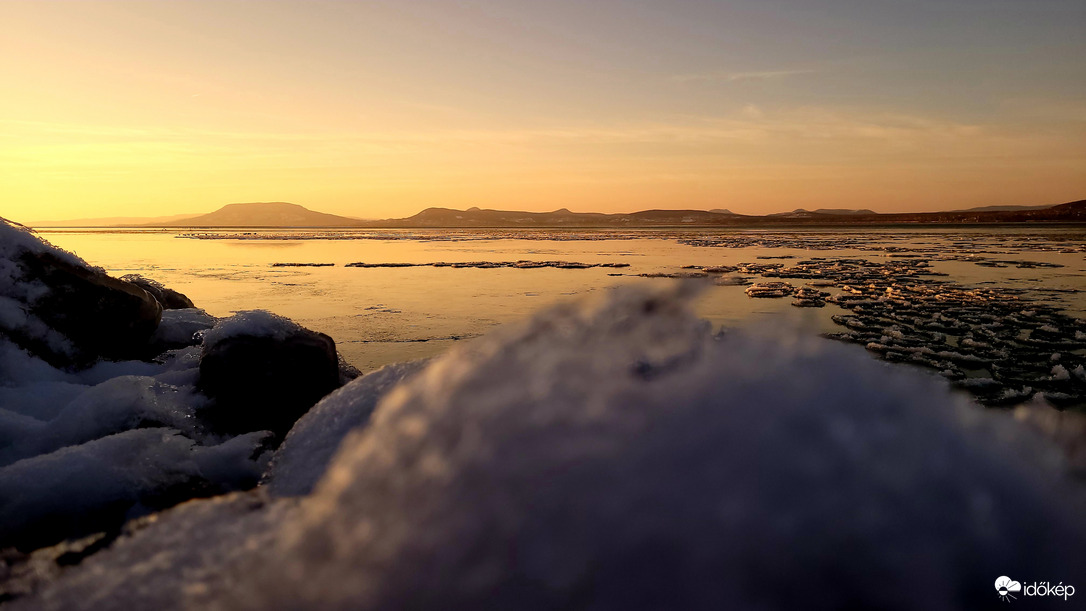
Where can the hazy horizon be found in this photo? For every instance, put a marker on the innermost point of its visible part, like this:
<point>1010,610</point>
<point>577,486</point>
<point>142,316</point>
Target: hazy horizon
<point>375,110</point>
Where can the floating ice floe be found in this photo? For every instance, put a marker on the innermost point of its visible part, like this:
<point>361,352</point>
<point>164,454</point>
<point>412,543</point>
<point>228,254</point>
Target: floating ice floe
<point>898,305</point>
<point>770,289</point>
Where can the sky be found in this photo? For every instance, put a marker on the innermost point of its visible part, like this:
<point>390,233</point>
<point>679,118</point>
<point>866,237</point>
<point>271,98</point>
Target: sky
<point>382,109</point>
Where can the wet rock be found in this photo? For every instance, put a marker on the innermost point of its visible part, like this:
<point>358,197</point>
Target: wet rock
<point>263,372</point>
<point>167,297</point>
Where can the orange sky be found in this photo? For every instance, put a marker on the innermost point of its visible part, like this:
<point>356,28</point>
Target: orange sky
<point>380,109</point>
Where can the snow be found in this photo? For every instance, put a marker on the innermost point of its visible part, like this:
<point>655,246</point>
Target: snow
<point>74,443</point>
<point>310,445</point>
<point>612,454</point>
<point>77,445</point>
<point>194,540</point>
<point>119,404</point>
<point>257,323</point>
<point>16,239</point>
<point>53,491</point>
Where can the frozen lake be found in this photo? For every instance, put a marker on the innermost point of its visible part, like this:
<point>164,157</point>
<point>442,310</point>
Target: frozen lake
<point>380,315</point>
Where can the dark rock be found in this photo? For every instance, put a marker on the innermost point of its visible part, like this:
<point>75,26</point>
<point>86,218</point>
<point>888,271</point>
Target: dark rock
<point>169,298</point>
<point>266,382</point>
<point>101,316</point>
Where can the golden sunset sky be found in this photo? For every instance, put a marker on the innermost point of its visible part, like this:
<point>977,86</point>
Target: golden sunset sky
<point>380,109</point>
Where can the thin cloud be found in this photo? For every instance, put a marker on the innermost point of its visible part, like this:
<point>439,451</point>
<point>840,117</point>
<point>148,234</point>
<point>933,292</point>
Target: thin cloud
<point>732,77</point>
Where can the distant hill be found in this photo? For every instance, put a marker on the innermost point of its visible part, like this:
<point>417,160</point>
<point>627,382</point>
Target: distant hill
<point>282,214</point>
<point>264,214</point>
<point>1003,208</point>
<point>475,217</point>
<point>1073,212</point>
<point>844,211</point>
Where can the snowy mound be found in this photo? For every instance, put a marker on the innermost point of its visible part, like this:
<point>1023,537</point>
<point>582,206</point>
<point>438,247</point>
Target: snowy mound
<point>613,455</point>
<point>307,450</point>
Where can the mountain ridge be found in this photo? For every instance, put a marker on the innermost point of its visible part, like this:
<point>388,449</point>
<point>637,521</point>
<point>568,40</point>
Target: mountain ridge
<point>284,214</point>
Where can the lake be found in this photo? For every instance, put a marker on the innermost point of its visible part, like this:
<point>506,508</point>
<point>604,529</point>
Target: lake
<point>380,315</point>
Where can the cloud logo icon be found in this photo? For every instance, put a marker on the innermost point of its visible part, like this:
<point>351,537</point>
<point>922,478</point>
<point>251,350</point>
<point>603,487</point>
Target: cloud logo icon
<point>1005,586</point>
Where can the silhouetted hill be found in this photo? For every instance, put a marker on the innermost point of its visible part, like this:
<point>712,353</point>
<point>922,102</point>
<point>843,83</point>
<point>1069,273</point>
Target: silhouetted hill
<point>1003,208</point>
<point>265,214</point>
<point>282,214</point>
<point>843,211</point>
<point>474,217</point>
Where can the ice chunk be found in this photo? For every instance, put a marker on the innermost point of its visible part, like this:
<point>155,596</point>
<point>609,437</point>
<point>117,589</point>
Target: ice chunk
<point>311,443</point>
<point>179,327</point>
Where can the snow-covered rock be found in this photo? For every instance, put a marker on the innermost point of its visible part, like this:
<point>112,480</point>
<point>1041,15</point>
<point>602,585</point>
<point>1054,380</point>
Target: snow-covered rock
<point>64,311</point>
<point>92,430</point>
<point>263,371</point>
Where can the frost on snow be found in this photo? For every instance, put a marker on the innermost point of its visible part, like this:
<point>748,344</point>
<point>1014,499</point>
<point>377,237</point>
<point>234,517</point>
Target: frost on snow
<point>611,454</point>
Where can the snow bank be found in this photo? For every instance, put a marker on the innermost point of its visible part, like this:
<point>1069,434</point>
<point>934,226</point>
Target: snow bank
<point>611,454</point>
<point>615,449</point>
<point>180,554</point>
<point>64,493</point>
<point>119,404</point>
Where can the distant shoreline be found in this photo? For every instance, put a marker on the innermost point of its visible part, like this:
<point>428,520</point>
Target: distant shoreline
<point>720,227</point>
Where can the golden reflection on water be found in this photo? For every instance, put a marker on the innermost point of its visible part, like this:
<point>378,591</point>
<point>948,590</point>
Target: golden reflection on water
<point>383,315</point>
